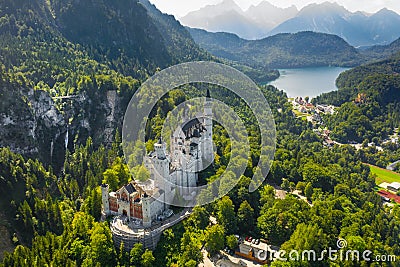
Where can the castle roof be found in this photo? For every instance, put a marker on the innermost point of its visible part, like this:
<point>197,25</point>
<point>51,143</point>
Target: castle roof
<point>193,128</point>
<point>130,188</point>
<point>194,144</point>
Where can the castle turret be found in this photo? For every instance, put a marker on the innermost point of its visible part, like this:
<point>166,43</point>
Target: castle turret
<point>160,148</point>
<point>208,153</point>
<point>104,198</point>
<point>161,164</point>
<point>146,210</point>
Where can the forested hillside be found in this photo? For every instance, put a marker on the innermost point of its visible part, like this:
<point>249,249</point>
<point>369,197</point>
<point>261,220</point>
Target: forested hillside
<point>369,97</point>
<point>95,50</point>
<point>379,81</point>
<point>380,52</point>
<point>303,49</point>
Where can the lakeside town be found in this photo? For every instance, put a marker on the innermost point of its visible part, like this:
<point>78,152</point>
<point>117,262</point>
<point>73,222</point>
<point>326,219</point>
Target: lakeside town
<point>303,109</point>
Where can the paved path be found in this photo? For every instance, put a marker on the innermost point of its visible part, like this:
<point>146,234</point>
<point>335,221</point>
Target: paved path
<point>206,261</point>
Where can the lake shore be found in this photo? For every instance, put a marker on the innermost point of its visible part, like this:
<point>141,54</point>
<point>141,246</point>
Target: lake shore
<point>309,82</point>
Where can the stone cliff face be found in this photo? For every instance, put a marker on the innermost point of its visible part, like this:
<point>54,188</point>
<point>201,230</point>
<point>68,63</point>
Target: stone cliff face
<point>29,121</point>
<point>32,124</point>
<point>113,116</point>
<point>97,115</point>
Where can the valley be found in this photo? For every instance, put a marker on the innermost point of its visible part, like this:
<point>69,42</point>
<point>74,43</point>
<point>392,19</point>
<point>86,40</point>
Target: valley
<point>296,50</point>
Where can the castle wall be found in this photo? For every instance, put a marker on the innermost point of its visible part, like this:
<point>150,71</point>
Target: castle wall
<point>136,210</point>
<point>124,208</point>
<point>156,208</point>
<point>187,151</point>
<point>104,199</point>
<point>149,239</point>
<point>113,204</point>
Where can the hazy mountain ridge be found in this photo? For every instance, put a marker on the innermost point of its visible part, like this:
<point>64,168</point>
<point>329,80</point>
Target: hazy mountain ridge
<point>227,16</point>
<point>357,28</point>
<point>266,14</point>
<point>303,49</point>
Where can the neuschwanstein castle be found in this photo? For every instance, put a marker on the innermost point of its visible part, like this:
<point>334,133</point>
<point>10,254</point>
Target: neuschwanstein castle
<point>191,149</point>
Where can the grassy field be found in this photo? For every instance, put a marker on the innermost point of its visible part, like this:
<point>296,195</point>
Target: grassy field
<point>383,175</point>
<point>300,114</point>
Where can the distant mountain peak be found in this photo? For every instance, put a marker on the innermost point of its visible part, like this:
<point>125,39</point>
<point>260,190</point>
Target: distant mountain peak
<point>254,23</point>
<point>323,8</point>
<point>357,28</point>
<point>385,11</point>
<point>228,2</point>
<point>262,5</point>
<point>267,5</point>
<point>225,4</point>
<point>210,11</point>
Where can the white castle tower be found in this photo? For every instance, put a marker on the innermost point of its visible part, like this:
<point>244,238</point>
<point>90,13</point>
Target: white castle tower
<point>161,165</point>
<point>208,151</point>
<point>146,209</point>
<point>161,161</point>
<point>104,198</point>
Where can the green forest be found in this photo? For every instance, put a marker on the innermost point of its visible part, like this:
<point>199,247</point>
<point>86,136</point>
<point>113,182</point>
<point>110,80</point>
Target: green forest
<point>289,50</point>
<point>50,203</point>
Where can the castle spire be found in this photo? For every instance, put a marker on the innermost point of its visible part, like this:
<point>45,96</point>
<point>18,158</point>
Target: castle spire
<point>207,149</point>
<point>159,148</point>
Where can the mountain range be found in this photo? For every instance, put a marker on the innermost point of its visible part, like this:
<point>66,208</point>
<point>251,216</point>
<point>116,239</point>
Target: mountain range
<point>227,16</point>
<point>357,28</point>
<point>285,50</point>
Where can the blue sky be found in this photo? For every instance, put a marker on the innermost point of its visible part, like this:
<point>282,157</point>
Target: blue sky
<point>180,8</point>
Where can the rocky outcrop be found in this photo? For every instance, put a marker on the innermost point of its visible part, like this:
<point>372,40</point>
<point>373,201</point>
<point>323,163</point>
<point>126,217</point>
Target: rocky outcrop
<point>95,115</point>
<point>34,124</point>
<point>112,101</point>
<point>29,121</point>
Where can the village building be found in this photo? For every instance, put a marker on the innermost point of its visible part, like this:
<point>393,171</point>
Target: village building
<point>395,187</point>
<point>261,253</point>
